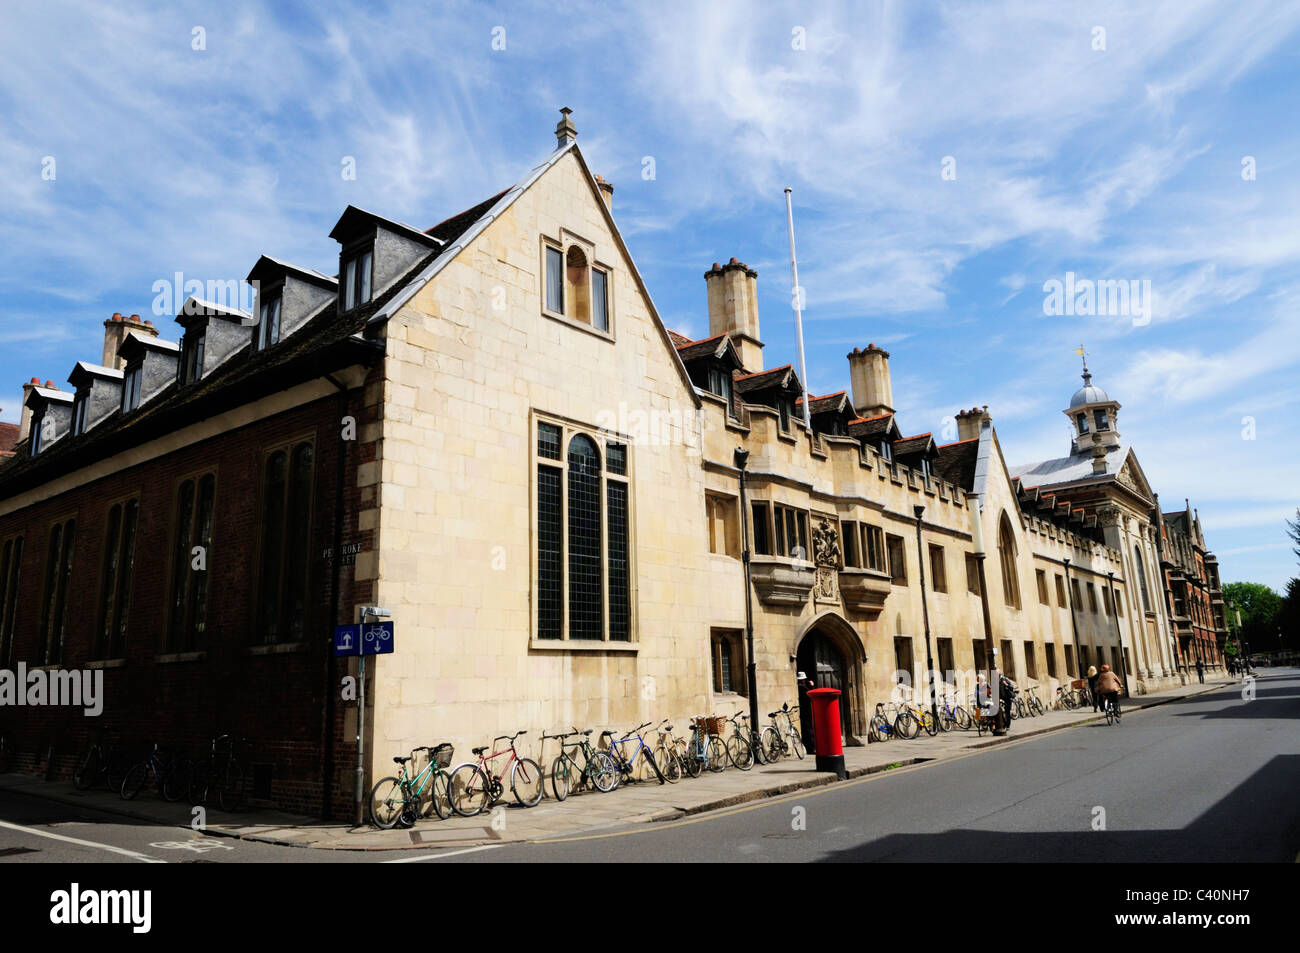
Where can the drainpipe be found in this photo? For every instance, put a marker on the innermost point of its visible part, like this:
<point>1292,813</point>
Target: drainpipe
<point>1074,626</point>
<point>331,664</point>
<point>1119,634</point>
<point>977,540</point>
<point>741,459</point>
<point>919,510</point>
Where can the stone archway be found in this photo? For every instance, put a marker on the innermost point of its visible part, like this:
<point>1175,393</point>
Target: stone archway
<point>830,652</point>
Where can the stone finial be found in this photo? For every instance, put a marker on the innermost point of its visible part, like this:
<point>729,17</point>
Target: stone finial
<point>565,131</point>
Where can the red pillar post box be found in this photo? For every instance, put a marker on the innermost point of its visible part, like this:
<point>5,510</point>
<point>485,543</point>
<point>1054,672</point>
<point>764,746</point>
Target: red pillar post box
<point>826,730</point>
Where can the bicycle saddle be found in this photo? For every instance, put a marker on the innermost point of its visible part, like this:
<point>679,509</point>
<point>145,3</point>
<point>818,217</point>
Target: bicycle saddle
<point>479,750</point>
<point>400,760</point>
<point>668,728</point>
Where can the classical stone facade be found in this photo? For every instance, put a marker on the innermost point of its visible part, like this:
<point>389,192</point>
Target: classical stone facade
<point>487,429</point>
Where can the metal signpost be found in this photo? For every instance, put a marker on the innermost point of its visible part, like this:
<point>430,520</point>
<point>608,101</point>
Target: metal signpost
<point>371,637</point>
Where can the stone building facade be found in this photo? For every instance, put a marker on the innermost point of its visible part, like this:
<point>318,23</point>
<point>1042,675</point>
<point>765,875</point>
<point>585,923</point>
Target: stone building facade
<point>486,428</point>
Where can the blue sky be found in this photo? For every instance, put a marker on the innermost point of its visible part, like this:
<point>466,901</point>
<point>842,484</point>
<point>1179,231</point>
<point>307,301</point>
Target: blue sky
<point>1123,162</point>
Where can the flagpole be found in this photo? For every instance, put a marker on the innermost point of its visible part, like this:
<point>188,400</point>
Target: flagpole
<point>797,297</point>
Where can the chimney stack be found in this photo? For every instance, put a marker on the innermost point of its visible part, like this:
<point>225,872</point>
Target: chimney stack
<point>116,329</point>
<point>970,421</point>
<point>733,309</point>
<point>606,192</point>
<point>873,394</point>
<point>25,421</point>
<point>565,131</point>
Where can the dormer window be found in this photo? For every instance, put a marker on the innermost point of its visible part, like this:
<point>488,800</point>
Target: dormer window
<point>38,433</point>
<point>887,451</point>
<point>79,413</point>
<point>192,356</point>
<point>720,384</point>
<point>354,279</point>
<point>1083,422</point>
<point>925,469</point>
<point>783,408</point>
<point>268,323</point>
<point>131,388</point>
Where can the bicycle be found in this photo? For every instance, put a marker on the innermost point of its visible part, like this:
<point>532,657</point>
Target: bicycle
<point>666,756</point>
<point>598,768</point>
<point>221,771</point>
<point>1064,698</point>
<point>1112,713</point>
<point>914,717</point>
<point>882,727</point>
<point>168,778</point>
<point>101,763</point>
<point>742,747</point>
<point>626,765</point>
<point>474,787</point>
<point>706,748</point>
<point>774,736</point>
<point>400,800</point>
<point>951,716</point>
<point>1033,705</point>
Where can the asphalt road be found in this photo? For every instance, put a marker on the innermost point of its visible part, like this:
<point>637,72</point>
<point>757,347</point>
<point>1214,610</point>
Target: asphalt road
<point>1210,779</point>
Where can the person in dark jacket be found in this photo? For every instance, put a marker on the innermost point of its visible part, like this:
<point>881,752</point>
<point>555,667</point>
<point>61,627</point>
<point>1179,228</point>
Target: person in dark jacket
<point>1200,671</point>
<point>1092,687</point>
<point>1007,697</point>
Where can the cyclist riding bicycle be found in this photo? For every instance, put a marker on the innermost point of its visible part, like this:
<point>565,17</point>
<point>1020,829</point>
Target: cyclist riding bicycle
<point>1108,688</point>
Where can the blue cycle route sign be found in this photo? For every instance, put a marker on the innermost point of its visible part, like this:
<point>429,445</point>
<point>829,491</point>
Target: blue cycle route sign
<point>377,638</point>
<point>347,640</point>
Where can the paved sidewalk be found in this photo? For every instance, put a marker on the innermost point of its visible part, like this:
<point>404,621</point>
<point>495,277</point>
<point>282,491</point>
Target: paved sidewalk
<point>636,803</point>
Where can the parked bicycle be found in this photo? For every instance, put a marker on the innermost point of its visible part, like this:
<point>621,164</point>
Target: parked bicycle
<point>913,718</point>
<point>743,748</point>
<point>221,774</point>
<point>1064,698</point>
<point>567,775</point>
<point>781,738</point>
<point>405,799</point>
<point>170,776</point>
<point>1032,705</point>
<point>627,765</point>
<point>474,786</point>
<point>667,755</point>
<point>706,749</point>
<point>100,763</point>
<point>953,716</point>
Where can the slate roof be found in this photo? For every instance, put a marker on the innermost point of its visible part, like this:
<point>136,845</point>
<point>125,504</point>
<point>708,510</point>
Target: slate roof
<point>955,462</point>
<point>826,404</point>
<point>872,426</point>
<point>1070,469</point>
<point>918,443</point>
<point>715,346</point>
<point>762,380</point>
<point>328,341</point>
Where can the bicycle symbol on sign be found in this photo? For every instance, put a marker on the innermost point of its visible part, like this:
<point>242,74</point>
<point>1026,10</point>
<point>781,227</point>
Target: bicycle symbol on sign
<point>376,636</point>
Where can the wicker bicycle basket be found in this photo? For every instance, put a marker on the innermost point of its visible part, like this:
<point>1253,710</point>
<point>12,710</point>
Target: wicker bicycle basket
<point>442,755</point>
<point>710,725</point>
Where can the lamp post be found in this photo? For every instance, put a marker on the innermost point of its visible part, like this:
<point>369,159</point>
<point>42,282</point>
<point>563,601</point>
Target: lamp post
<point>977,545</point>
<point>919,510</point>
<point>741,458</point>
<point>1119,633</point>
<point>1074,626</point>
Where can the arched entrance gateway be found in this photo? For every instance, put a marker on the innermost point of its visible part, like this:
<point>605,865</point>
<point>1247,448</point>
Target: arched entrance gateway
<point>830,652</point>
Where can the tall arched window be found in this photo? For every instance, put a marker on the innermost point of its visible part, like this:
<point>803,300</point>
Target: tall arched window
<point>577,285</point>
<point>1007,554</point>
<point>585,590</point>
<point>583,536</point>
<point>286,542</point>
<point>1142,579</point>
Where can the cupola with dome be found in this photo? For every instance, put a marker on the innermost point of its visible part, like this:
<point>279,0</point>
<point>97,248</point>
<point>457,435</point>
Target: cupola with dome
<point>1093,417</point>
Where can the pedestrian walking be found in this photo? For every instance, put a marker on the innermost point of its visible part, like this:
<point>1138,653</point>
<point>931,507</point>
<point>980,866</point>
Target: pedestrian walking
<point>1200,671</point>
<point>1006,698</point>
<point>1092,687</point>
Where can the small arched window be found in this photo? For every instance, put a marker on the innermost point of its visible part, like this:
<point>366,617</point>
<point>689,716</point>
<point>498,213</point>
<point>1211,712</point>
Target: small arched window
<point>1007,554</point>
<point>577,285</point>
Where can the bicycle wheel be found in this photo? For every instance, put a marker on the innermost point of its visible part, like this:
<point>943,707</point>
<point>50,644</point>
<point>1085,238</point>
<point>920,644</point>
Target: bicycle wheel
<point>469,789</point>
<point>603,772</point>
<point>770,742</point>
<point>560,778</point>
<point>669,766</point>
<point>654,765</point>
<point>134,781</point>
<point>929,723</point>
<point>87,772</point>
<point>176,782</point>
<point>906,725</point>
<point>796,744</point>
<point>945,720</point>
<point>526,782</point>
<point>741,755</point>
<point>386,803</point>
<point>716,749</point>
<point>200,778</point>
<point>1110,715</point>
<point>690,760</point>
<point>439,795</point>
<point>231,793</point>
<point>879,729</point>
<point>962,717</point>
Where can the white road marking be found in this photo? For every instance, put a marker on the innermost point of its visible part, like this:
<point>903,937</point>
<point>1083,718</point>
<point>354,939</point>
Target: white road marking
<point>133,854</point>
<point>452,853</point>
<point>198,846</point>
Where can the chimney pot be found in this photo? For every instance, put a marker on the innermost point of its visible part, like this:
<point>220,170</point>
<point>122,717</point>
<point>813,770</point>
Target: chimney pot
<point>117,316</point>
<point>870,385</point>
<point>135,318</point>
<point>50,384</point>
<point>36,381</point>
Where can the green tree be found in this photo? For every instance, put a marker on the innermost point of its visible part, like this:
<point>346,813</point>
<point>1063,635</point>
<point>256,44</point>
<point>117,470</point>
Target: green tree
<point>1260,607</point>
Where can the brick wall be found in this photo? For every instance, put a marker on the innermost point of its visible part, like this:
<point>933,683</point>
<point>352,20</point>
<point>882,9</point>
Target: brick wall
<point>276,699</point>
